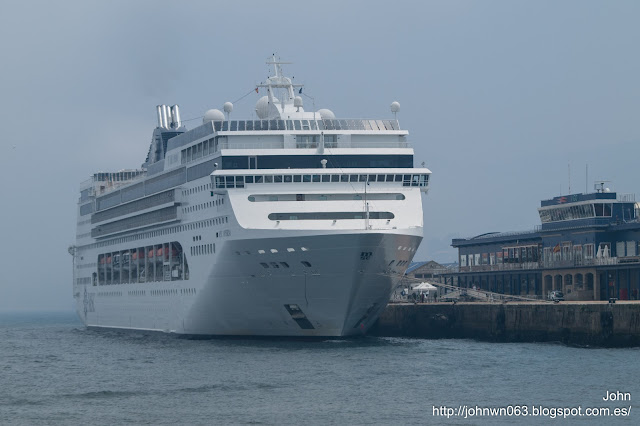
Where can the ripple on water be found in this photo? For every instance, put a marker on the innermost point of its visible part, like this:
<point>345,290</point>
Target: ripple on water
<point>60,373</point>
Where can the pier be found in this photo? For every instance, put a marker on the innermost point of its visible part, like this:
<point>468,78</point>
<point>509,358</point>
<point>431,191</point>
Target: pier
<point>594,323</point>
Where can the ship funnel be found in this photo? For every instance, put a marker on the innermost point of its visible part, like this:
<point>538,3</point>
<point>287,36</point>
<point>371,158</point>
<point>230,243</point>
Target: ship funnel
<point>175,117</point>
<point>168,117</point>
<point>159,110</point>
<point>165,118</point>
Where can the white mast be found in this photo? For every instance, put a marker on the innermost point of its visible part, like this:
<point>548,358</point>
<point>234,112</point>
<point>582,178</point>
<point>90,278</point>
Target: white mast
<point>282,84</point>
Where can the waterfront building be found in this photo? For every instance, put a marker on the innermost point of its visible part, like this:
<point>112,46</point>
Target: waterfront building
<point>586,246</point>
<point>431,271</point>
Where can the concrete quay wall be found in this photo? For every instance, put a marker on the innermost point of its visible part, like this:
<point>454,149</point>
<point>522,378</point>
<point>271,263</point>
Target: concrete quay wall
<point>580,324</point>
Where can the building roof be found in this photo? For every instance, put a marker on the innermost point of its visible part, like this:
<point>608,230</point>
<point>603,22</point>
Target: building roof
<point>431,264</point>
<point>494,237</point>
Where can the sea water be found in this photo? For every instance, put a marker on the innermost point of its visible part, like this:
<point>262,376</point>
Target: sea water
<point>55,371</point>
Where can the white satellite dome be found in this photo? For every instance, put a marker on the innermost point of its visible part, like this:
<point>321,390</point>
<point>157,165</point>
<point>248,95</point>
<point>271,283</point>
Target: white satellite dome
<point>326,114</point>
<point>212,115</point>
<point>228,107</point>
<point>395,106</point>
<point>297,102</point>
<point>264,109</point>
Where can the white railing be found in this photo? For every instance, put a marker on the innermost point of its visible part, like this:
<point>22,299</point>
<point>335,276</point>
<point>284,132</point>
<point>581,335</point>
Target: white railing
<point>107,186</point>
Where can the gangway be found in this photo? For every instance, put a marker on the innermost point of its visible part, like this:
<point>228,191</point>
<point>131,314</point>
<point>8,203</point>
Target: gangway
<point>455,293</point>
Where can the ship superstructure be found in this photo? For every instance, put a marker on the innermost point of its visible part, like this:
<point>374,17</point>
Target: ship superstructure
<point>293,224</point>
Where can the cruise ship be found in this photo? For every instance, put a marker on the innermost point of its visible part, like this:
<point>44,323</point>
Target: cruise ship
<point>295,223</point>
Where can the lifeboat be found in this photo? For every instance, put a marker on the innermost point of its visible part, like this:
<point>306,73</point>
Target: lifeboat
<point>108,259</point>
<point>150,253</point>
<point>134,255</point>
<point>166,251</point>
<point>102,260</point>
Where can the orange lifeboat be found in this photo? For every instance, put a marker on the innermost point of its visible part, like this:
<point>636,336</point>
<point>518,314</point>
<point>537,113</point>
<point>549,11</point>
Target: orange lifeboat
<point>108,259</point>
<point>150,253</point>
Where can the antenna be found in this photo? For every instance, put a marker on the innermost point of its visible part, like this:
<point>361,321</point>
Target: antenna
<point>569,167</point>
<point>276,62</point>
<point>395,107</point>
<point>586,179</point>
<point>599,186</point>
<point>228,107</point>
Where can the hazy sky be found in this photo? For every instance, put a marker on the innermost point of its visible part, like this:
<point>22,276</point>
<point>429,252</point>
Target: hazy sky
<point>499,97</point>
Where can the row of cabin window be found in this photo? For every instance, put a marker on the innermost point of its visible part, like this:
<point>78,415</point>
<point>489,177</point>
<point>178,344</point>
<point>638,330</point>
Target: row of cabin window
<point>166,231</point>
<point>117,176</point>
<point>196,189</point>
<point>202,206</point>
<point>164,292</point>
<point>240,181</point>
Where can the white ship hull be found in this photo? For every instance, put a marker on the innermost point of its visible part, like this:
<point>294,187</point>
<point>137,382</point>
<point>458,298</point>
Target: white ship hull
<point>296,224</point>
<point>341,294</point>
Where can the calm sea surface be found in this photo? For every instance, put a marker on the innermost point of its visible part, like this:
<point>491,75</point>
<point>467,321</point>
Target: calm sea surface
<point>54,371</point>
